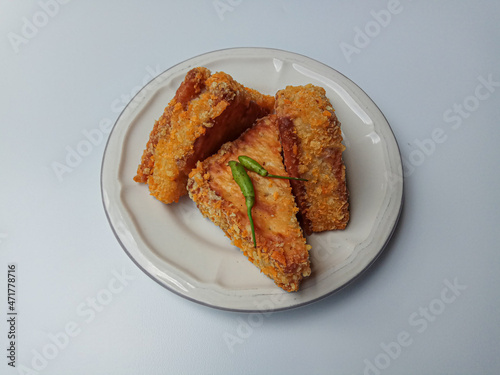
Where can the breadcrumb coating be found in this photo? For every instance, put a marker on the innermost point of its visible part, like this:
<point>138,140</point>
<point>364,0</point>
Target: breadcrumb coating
<point>282,252</point>
<point>206,111</point>
<point>311,137</point>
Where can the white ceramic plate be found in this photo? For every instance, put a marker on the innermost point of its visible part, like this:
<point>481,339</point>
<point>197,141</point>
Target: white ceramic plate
<point>188,254</point>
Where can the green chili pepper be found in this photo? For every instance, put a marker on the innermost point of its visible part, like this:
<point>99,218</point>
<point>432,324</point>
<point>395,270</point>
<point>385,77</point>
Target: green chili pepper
<point>241,177</point>
<point>254,166</point>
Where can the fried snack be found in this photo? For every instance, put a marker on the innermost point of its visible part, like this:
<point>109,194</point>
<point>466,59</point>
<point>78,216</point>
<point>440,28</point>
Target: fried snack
<point>281,252</point>
<point>312,149</point>
<point>206,111</point>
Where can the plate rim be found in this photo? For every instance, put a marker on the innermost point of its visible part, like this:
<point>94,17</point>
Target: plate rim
<point>354,278</point>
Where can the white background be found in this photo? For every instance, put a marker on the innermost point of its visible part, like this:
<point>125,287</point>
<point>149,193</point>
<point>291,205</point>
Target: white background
<point>79,64</point>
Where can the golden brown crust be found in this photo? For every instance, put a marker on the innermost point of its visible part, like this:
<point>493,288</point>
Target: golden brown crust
<point>282,252</point>
<point>311,137</point>
<point>207,110</point>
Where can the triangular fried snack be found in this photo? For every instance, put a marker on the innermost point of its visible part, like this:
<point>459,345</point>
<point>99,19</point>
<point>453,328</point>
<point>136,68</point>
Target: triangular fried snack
<point>207,111</point>
<point>312,149</point>
<point>281,252</point>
